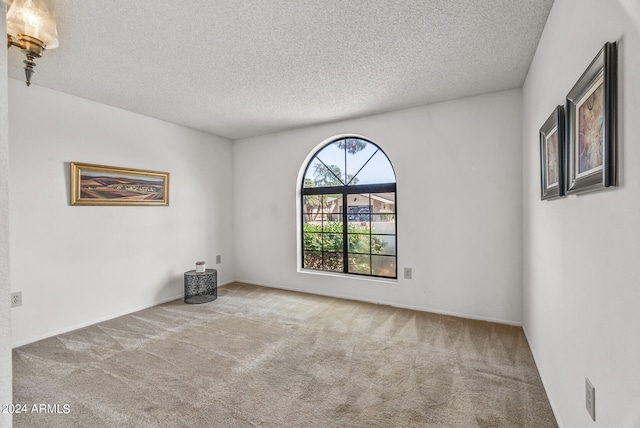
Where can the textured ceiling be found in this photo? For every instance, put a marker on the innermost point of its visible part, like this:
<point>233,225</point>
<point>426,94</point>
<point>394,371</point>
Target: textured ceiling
<point>239,68</point>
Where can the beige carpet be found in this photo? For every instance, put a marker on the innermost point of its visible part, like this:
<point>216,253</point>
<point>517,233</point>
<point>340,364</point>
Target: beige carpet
<point>270,358</point>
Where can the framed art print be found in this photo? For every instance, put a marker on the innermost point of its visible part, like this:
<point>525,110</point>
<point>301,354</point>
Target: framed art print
<point>110,185</point>
<point>551,155</point>
<point>591,125</point>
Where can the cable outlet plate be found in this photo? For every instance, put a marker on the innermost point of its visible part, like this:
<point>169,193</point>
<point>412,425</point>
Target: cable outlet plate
<point>16,299</point>
<point>590,398</point>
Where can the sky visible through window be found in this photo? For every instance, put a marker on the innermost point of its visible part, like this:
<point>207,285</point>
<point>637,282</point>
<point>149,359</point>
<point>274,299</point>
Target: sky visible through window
<point>368,164</point>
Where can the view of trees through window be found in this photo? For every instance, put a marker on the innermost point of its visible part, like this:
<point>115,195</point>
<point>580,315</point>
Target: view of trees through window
<point>349,210</point>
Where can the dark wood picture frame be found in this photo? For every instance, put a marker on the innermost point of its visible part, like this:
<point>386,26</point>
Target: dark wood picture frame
<point>591,125</point>
<point>552,137</point>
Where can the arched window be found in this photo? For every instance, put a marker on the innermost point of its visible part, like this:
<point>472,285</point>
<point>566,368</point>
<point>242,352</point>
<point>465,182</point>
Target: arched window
<point>349,210</point>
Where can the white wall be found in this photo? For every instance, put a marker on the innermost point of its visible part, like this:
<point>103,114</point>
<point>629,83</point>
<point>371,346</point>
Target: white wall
<point>581,270</point>
<point>459,207</point>
<point>76,265</point>
<point>5,286</point>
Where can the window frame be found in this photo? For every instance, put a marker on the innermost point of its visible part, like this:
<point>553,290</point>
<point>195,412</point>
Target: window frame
<point>345,191</point>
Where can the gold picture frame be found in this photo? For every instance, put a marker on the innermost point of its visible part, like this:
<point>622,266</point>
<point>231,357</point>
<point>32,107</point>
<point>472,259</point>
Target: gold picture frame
<point>109,185</point>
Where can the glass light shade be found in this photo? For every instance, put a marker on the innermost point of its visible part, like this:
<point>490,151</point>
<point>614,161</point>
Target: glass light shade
<point>35,18</point>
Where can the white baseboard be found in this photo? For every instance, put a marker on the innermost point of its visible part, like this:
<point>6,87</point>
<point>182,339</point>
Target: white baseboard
<point>554,408</point>
<point>395,305</point>
<point>102,319</point>
<point>337,296</point>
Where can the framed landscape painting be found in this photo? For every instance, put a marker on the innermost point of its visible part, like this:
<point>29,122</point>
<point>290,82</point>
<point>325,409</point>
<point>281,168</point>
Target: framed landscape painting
<point>591,125</point>
<point>552,155</point>
<point>109,185</point>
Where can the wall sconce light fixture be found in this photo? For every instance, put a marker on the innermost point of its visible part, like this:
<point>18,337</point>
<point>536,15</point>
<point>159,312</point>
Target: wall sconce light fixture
<point>31,26</point>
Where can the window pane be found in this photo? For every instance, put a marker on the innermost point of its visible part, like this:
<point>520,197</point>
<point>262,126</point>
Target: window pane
<point>312,212</point>
<point>359,227</point>
<point>358,153</point>
<point>333,157</point>
<point>333,262</point>
<point>383,224</point>
<point>383,244</point>
<point>377,171</point>
<point>359,263</point>
<point>312,240</point>
<point>384,202</point>
<point>364,217</point>
<point>383,266</point>
<point>312,260</point>
<point>332,242</point>
<point>359,208</point>
<point>318,175</point>
<point>360,243</point>
<point>309,174</point>
<point>331,204</point>
<point>359,220</point>
<point>312,204</point>
<point>332,227</point>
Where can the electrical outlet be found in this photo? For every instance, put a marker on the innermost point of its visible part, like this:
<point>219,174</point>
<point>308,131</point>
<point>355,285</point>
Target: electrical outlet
<point>407,273</point>
<point>16,299</point>
<point>590,398</point>
<point>218,259</point>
